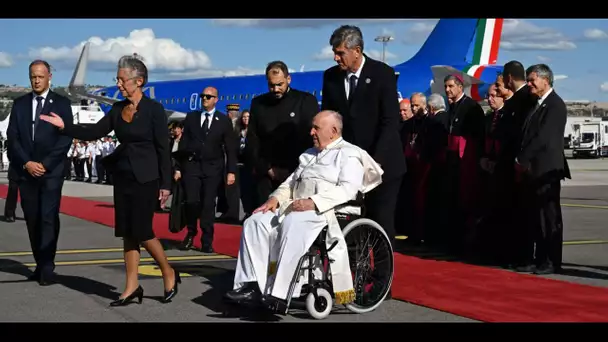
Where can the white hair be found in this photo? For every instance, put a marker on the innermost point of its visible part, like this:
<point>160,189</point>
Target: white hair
<point>337,118</point>
<point>436,102</point>
<point>421,95</point>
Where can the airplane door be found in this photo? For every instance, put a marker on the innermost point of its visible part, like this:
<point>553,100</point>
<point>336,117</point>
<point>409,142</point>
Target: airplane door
<point>194,101</point>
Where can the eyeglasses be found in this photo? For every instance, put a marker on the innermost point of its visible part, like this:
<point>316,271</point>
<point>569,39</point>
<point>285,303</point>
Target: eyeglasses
<point>207,96</point>
<point>120,81</point>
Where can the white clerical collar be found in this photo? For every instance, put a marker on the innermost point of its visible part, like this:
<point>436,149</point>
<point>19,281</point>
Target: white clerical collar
<point>460,97</point>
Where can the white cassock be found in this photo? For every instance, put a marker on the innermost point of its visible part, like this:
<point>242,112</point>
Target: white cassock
<point>273,243</point>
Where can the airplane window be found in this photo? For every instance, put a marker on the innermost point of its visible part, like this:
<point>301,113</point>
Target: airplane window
<point>314,93</point>
<point>321,92</point>
<point>234,97</point>
<point>241,97</point>
<point>184,100</point>
<point>172,99</point>
<point>222,98</point>
<point>247,97</point>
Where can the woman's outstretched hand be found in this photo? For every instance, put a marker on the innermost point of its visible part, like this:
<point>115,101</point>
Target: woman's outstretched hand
<point>53,119</point>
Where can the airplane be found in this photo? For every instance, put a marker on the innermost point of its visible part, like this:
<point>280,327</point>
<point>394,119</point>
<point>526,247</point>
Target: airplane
<point>467,47</point>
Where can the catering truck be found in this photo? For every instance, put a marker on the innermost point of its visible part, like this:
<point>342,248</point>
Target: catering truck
<point>593,141</point>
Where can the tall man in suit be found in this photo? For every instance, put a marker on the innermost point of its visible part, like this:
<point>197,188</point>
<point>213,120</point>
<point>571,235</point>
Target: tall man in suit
<point>542,165</point>
<point>519,246</point>
<point>364,91</point>
<point>207,137</point>
<point>37,152</point>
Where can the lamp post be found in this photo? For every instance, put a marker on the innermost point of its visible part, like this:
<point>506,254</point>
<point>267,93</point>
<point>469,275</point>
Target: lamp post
<point>384,40</point>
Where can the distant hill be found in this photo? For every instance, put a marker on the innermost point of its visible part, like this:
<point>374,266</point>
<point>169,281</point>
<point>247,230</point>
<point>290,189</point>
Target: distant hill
<point>13,92</point>
<point>10,93</point>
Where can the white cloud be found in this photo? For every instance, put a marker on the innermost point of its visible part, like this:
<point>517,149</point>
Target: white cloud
<point>519,34</point>
<point>298,23</point>
<point>419,32</point>
<point>387,32</point>
<point>204,73</point>
<point>158,53</point>
<point>595,34</point>
<point>543,59</point>
<point>5,60</point>
<point>327,54</point>
<point>604,87</point>
<point>559,77</point>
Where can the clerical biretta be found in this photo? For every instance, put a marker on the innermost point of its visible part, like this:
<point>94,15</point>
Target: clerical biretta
<point>328,176</point>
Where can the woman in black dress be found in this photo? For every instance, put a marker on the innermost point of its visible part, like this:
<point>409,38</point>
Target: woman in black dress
<point>141,168</point>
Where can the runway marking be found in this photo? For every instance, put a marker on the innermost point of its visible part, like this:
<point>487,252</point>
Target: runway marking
<point>120,261</point>
<point>154,271</point>
<point>585,206</point>
<point>70,251</point>
<point>586,242</point>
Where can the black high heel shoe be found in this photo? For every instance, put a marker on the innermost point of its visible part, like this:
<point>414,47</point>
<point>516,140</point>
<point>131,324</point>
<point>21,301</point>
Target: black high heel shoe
<point>138,293</point>
<point>169,295</point>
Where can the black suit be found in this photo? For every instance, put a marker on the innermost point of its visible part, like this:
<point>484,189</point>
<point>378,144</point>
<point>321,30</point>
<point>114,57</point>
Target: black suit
<point>542,157</point>
<point>40,196</point>
<point>371,121</point>
<point>140,165</point>
<point>208,151</point>
<point>278,133</point>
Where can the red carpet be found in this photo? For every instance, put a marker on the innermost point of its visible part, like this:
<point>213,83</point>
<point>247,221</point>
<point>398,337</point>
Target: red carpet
<point>480,293</point>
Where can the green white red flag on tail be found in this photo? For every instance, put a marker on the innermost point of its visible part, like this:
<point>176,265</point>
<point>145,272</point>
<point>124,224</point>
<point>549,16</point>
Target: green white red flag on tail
<point>485,51</point>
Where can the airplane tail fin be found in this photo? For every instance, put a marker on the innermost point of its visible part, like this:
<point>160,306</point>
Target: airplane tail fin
<point>460,41</point>
<point>77,84</point>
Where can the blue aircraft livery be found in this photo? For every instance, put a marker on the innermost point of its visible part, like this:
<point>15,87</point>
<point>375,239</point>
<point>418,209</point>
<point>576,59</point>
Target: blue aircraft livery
<point>468,47</point>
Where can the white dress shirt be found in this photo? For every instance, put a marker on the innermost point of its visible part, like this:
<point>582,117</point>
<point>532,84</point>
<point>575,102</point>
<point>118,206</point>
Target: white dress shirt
<point>211,115</point>
<point>349,74</point>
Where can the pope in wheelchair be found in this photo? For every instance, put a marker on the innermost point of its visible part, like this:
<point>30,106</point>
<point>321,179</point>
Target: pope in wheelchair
<point>281,231</point>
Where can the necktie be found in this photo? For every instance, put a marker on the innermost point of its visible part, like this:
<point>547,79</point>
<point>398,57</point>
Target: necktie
<point>352,85</point>
<point>205,126</point>
<point>37,114</point>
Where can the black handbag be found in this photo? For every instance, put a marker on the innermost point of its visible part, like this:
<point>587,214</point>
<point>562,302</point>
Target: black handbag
<point>177,215</point>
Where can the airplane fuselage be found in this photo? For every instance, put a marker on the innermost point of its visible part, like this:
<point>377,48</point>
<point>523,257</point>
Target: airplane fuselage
<point>184,95</point>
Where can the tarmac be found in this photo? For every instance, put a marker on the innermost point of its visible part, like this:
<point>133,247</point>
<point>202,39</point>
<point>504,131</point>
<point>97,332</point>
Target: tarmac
<point>91,272</point>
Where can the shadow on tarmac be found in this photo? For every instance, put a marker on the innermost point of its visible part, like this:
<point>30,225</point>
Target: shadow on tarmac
<point>76,283</point>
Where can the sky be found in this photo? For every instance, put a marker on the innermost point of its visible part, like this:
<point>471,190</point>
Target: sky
<point>188,48</point>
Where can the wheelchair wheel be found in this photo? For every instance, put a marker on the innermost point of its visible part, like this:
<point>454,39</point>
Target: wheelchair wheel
<point>371,262</point>
<point>320,308</point>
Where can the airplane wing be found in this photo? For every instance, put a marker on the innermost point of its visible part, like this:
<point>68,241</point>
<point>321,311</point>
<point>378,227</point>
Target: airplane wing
<point>441,71</point>
<point>77,88</point>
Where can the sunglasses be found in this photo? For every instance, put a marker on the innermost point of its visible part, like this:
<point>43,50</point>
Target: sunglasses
<point>207,96</point>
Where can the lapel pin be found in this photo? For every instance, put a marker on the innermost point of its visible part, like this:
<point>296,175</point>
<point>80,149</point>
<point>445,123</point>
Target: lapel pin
<point>367,80</point>
<point>51,101</point>
<point>216,118</point>
<point>292,114</point>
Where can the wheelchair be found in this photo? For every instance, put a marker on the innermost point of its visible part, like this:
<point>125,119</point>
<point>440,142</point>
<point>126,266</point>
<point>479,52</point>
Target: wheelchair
<point>371,260</point>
